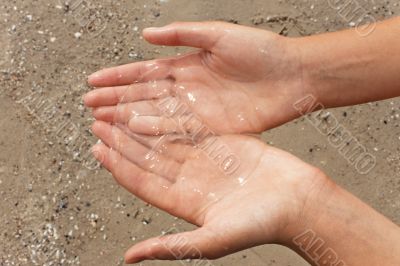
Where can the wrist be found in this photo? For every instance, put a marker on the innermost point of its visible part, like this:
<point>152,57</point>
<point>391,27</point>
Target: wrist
<point>312,65</point>
<point>311,211</point>
<point>336,228</point>
<point>293,80</point>
<point>309,85</point>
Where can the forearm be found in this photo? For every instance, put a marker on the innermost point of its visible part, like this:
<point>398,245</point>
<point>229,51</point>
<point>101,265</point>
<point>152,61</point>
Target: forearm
<point>339,229</point>
<point>345,68</point>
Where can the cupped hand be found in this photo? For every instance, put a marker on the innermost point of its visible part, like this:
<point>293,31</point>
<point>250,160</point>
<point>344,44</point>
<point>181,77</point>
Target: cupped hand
<point>241,80</point>
<point>238,191</point>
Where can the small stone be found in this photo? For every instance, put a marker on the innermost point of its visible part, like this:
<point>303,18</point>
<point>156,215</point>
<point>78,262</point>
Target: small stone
<point>77,35</point>
<point>257,20</point>
<point>133,55</point>
<point>146,221</point>
<point>53,39</point>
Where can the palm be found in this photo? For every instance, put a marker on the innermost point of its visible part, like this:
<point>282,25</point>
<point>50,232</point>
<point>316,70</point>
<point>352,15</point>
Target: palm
<point>248,78</point>
<point>194,184</point>
<point>242,81</point>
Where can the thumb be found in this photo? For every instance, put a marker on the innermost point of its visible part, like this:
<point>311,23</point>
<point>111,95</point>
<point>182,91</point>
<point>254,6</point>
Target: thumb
<point>203,35</point>
<point>198,244</point>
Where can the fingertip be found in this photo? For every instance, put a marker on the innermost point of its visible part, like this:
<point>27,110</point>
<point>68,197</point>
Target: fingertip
<point>150,34</point>
<point>98,152</point>
<point>100,114</point>
<point>88,99</point>
<point>159,35</point>
<point>129,260</point>
<point>97,127</point>
<point>151,30</point>
<point>95,78</point>
<point>96,149</point>
<point>105,113</point>
<point>130,257</point>
<point>95,112</point>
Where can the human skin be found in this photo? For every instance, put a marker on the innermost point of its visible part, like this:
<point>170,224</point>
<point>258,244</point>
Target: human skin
<point>272,197</point>
<point>344,68</point>
<point>294,200</point>
<point>248,78</point>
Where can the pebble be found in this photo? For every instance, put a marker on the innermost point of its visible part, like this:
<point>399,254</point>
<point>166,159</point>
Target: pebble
<point>146,221</point>
<point>133,55</point>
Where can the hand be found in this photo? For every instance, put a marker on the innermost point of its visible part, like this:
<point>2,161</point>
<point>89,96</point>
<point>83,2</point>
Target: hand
<point>243,80</point>
<point>247,201</point>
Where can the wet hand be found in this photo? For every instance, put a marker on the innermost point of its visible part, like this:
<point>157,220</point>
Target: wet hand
<point>242,80</point>
<point>245,194</point>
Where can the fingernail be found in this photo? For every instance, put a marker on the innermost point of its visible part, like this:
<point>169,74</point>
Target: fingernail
<point>94,149</point>
<point>94,75</point>
<point>152,29</point>
<point>97,154</point>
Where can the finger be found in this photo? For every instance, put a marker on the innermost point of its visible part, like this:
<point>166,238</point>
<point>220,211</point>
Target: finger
<point>145,185</point>
<point>198,244</point>
<point>174,146</point>
<point>131,73</point>
<point>152,125</point>
<point>146,158</point>
<point>126,94</point>
<point>193,34</point>
<point>179,147</point>
<point>161,125</point>
<point>122,113</point>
